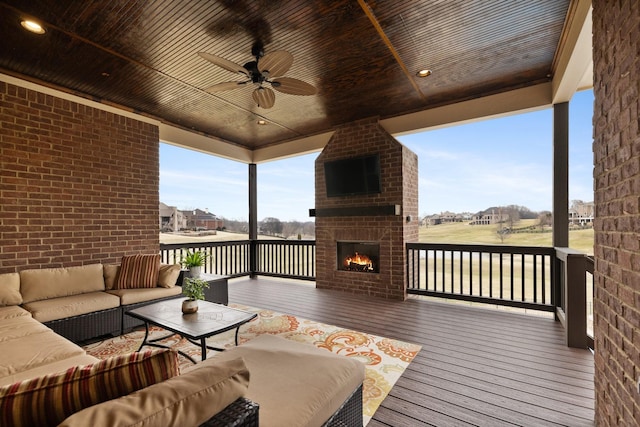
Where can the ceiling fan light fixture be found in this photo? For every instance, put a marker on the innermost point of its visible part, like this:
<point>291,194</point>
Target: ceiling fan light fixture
<point>32,26</point>
<point>424,73</point>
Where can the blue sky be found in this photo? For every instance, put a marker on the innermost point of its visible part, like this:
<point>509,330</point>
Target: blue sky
<point>462,168</point>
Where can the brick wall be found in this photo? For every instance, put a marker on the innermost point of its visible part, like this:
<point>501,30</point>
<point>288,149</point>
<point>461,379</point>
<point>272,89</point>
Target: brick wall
<point>399,178</point>
<point>78,185</point>
<point>616,35</point>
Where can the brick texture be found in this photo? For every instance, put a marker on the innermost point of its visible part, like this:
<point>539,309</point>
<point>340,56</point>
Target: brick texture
<point>399,177</point>
<point>616,41</point>
<point>78,185</point>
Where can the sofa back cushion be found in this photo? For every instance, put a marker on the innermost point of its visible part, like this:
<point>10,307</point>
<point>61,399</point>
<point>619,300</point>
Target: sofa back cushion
<point>111,272</point>
<point>168,275</point>
<point>10,289</point>
<point>138,271</point>
<point>45,283</point>
<point>48,400</point>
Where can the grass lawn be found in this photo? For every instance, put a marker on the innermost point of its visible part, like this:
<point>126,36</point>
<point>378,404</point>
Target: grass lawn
<point>463,233</point>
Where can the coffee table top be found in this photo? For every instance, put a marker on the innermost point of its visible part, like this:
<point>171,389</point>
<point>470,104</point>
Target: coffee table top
<point>210,319</point>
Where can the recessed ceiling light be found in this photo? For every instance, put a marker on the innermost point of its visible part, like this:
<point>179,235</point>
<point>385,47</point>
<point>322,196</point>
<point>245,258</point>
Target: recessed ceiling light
<point>32,26</point>
<point>262,122</point>
<point>423,73</point>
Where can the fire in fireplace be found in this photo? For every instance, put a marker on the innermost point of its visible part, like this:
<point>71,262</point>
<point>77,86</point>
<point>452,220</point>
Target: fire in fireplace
<point>359,256</point>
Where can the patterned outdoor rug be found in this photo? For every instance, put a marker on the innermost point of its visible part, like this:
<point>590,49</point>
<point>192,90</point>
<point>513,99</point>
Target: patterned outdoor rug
<point>385,359</point>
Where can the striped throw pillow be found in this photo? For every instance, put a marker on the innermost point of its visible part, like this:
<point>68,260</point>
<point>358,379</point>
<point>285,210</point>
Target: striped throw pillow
<point>49,399</point>
<point>138,271</point>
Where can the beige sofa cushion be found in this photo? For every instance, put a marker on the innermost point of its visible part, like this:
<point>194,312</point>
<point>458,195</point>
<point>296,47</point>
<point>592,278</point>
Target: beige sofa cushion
<point>34,350</point>
<point>18,327</point>
<point>168,275</point>
<point>111,272</point>
<point>45,283</point>
<point>48,400</point>
<point>294,383</point>
<point>133,296</point>
<point>13,311</point>
<point>75,305</point>
<point>186,400</point>
<point>10,289</point>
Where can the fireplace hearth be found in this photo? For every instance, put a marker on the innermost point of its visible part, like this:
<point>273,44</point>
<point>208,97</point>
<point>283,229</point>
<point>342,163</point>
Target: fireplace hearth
<point>362,257</point>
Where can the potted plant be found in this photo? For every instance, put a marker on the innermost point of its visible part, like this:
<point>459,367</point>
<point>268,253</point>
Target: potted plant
<point>194,261</point>
<point>193,288</point>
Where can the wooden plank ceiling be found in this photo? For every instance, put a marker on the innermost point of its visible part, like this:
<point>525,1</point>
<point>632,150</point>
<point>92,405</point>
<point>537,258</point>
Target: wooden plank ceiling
<point>361,55</point>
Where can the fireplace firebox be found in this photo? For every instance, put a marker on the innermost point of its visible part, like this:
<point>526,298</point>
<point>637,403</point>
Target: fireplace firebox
<point>363,257</point>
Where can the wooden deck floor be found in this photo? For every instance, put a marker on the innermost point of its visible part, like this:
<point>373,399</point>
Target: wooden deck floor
<point>477,366</point>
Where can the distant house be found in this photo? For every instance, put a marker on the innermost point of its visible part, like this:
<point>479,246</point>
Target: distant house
<point>444,218</point>
<point>203,219</point>
<point>487,218</point>
<point>581,213</point>
<point>171,219</point>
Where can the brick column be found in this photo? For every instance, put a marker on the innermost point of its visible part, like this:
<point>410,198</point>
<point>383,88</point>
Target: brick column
<point>616,42</point>
<point>399,179</point>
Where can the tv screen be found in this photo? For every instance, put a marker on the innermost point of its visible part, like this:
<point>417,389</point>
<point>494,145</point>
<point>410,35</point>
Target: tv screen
<point>352,176</point>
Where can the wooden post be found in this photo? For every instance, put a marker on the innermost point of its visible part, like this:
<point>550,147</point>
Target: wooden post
<point>253,219</point>
<point>574,313</point>
<point>561,175</point>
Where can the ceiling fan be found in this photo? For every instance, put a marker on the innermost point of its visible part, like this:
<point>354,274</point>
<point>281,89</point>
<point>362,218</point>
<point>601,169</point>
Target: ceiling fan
<point>266,69</point>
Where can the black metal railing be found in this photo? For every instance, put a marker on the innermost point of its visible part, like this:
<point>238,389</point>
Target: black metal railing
<point>228,258</point>
<point>539,278</point>
<point>286,258</point>
<point>517,276</point>
<point>281,258</point>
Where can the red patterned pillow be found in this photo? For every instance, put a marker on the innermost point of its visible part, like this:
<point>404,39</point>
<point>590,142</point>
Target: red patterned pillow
<point>138,271</point>
<point>48,400</point>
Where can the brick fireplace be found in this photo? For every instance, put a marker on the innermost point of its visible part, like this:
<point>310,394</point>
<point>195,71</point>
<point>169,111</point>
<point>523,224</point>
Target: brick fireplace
<point>384,217</point>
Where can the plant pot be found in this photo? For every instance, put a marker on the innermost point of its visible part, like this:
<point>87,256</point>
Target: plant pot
<point>189,306</point>
<point>195,271</point>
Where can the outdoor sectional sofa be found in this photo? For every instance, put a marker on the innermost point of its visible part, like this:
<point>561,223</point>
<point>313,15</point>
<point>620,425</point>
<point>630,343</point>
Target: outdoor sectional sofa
<point>46,379</point>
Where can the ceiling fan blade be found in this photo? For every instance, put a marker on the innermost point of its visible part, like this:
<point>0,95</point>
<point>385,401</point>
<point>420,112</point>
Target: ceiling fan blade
<point>276,63</point>
<point>293,86</point>
<point>224,63</point>
<point>220,87</point>
<point>264,97</point>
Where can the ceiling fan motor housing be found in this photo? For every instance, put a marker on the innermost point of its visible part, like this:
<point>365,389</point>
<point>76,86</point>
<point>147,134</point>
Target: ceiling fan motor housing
<point>254,72</point>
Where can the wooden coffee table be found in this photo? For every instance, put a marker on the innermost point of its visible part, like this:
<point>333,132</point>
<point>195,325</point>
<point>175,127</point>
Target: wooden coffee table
<point>210,319</point>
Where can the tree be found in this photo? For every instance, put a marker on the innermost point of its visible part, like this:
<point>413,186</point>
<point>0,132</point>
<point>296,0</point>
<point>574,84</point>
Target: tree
<point>291,228</point>
<point>513,214</point>
<point>271,226</point>
<point>545,218</point>
<point>502,232</point>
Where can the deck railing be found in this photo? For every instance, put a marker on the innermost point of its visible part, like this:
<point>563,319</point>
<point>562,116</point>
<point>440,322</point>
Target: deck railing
<point>281,258</point>
<point>295,259</point>
<point>571,310</point>
<point>517,276</point>
<point>228,258</point>
<point>589,266</point>
<point>538,278</point>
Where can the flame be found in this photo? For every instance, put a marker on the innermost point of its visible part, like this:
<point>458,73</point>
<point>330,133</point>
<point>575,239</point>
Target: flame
<point>360,260</point>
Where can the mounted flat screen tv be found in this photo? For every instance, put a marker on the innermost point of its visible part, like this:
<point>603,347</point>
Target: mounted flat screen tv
<point>353,176</point>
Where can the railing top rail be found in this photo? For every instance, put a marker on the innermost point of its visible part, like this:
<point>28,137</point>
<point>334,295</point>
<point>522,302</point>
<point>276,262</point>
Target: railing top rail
<point>285,242</point>
<point>589,264</point>
<point>564,253</point>
<point>533,250</point>
<point>169,246</point>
